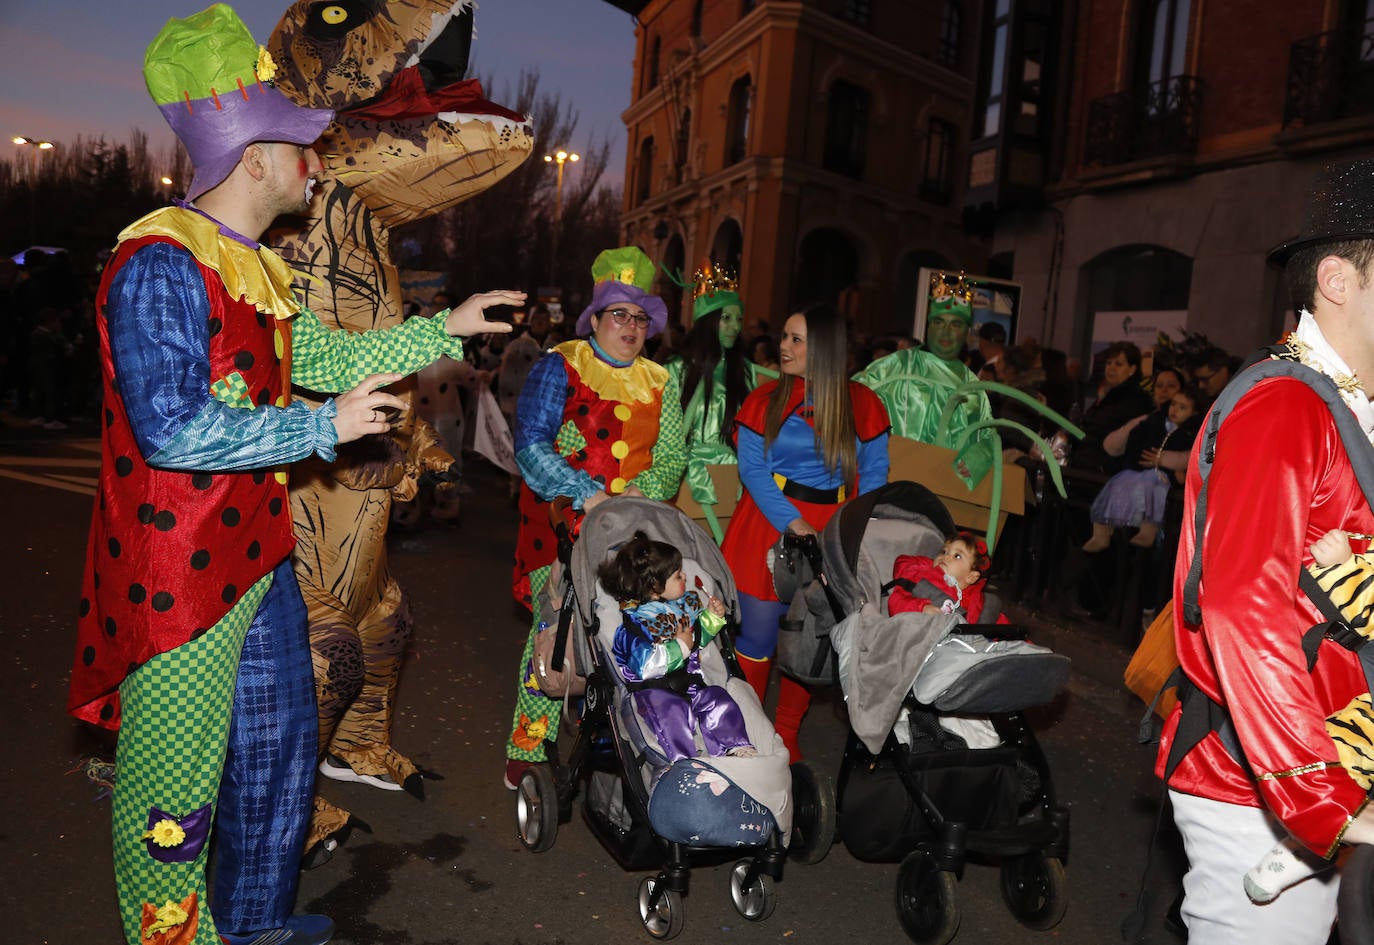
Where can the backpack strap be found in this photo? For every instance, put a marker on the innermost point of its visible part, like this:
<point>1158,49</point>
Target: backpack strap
<point>1282,363</point>
<point>1200,714</point>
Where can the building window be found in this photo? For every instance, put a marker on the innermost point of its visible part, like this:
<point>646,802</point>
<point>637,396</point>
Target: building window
<point>990,121</point>
<point>655,49</point>
<point>858,12</point>
<point>846,129</point>
<point>737,121</point>
<point>746,7</point>
<point>1163,43</point>
<point>938,182</point>
<point>684,140</point>
<point>951,35</point>
<point>696,18</point>
<point>644,178</point>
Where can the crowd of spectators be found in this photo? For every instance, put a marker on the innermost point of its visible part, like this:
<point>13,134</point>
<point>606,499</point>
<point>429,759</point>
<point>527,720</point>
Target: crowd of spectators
<point>49,374</point>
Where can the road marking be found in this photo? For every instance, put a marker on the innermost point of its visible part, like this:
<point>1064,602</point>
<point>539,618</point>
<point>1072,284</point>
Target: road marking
<point>81,486</point>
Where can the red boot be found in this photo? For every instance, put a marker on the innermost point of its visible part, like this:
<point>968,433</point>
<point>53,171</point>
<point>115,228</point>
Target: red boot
<point>793,701</point>
<point>756,672</point>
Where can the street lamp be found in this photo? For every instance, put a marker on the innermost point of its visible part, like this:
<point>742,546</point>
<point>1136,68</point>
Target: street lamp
<point>559,157</point>
<point>36,147</point>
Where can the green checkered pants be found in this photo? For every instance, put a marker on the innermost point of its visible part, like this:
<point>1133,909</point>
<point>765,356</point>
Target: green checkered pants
<point>533,710</point>
<point>172,741</point>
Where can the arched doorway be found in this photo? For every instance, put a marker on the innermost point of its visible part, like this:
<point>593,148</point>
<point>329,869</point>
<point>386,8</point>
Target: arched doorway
<point>1139,278</point>
<point>727,248</point>
<point>827,265</point>
<point>674,261</point>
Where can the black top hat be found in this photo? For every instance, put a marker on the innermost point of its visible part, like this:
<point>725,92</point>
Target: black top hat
<point>1341,208</point>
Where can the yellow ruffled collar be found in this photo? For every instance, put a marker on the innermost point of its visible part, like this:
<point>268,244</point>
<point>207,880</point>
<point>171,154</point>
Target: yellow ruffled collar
<point>638,382</point>
<point>259,276</point>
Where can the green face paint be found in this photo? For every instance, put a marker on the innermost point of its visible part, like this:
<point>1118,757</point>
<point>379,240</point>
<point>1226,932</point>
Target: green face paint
<point>946,334</point>
<point>731,320</point>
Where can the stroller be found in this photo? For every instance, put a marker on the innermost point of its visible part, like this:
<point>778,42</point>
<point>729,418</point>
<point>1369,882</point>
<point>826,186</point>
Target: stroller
<point>648,813</point>
<point>940,766</point>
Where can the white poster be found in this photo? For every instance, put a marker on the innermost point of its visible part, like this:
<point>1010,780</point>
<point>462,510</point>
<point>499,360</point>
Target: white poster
<point>492,438</point>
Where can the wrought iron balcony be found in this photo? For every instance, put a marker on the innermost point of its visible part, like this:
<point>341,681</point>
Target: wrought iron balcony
<point>1154,121</point>
<point>1330,76</point>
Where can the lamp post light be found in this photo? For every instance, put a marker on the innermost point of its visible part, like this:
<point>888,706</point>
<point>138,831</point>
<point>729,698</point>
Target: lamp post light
<point>36,147</point>
<point>559,157</point>
<point>166,183</point>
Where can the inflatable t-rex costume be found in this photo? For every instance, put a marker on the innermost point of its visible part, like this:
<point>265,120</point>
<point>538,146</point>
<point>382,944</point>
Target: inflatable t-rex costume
<point>410,139</point>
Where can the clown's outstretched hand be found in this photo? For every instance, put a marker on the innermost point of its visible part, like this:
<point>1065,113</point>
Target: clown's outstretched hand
<point>470,318</point>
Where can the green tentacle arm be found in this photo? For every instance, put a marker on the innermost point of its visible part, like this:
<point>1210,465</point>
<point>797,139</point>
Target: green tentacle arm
<point>973,388</point>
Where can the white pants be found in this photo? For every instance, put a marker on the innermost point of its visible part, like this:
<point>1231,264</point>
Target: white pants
<point>1222,842</point>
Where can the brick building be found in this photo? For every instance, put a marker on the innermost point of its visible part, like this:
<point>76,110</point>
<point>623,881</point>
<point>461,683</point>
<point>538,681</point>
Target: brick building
<point>1191,135</point>
<point>819,146</point>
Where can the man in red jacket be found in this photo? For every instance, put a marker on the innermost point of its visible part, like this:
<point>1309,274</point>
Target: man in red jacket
<point>1268,499</point>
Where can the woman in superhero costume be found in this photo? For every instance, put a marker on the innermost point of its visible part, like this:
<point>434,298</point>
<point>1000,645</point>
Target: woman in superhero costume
<point>806,442</point>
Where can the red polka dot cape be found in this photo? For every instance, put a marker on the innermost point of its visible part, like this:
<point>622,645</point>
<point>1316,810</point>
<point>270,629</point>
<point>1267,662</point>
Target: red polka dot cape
<point>171,552</point>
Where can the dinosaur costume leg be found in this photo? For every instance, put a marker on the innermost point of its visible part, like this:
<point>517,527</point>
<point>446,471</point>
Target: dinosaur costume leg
<point>359,627</point>
<point>536,715</point>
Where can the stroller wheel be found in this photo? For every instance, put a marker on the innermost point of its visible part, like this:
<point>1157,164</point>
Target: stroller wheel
<point>813,823</point>
<point>759,900</point>
<point>1035,889</point>
<point>536,808</point>
<point>664,919</point>
<point>925,900</point>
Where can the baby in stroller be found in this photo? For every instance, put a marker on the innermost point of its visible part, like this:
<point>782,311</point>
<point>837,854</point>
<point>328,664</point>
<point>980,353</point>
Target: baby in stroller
<point>657,650</point>
<point>954,581</point>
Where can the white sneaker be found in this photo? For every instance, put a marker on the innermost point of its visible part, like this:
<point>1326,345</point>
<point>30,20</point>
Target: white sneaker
<point>338,770</point>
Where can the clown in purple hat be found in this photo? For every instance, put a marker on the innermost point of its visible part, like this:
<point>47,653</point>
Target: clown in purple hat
<point>192,638</point>
<point>595,419</point>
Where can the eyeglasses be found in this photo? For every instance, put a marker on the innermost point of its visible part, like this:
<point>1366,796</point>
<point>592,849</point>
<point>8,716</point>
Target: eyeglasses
<point>624,317</point>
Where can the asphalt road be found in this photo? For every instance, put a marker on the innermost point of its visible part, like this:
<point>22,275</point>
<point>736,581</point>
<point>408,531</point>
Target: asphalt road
<point>450,869</point>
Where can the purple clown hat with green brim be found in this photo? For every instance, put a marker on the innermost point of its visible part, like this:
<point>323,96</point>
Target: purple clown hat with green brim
<point>624,274</point>
<point>213,84</point>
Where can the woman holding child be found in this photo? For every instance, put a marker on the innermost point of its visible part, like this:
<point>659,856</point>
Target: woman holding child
<point>806,443</point>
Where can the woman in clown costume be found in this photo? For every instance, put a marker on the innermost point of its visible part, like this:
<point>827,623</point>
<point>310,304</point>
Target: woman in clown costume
<point>714,377</point>
<point>595,420</point>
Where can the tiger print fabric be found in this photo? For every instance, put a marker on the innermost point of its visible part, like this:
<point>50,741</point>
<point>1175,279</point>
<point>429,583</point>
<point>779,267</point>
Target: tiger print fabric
<point>1350,585</point>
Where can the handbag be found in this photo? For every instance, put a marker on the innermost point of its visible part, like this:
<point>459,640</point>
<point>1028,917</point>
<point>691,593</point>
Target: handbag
<point>1156,660</point>
<point>562,682</point>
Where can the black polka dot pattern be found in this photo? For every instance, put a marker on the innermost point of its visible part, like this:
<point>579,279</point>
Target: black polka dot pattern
<point>163,601</point>
<point>202,481</point>
<point>230,517</point>
<point>164,521</point>
<point>200,560</point>
<point>244,360</point>
<point>146,512</point>
<point>137,593</point>
<point>123,466</point>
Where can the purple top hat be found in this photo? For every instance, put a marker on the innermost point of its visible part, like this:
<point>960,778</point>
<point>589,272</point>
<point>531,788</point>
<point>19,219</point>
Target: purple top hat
<point>212,83</point>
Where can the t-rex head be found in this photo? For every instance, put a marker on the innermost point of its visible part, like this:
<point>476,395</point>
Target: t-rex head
<point>411,137</point>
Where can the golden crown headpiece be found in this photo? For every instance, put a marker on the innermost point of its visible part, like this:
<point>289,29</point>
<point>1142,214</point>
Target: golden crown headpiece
<point>712,278</point>
<point>942,291</point>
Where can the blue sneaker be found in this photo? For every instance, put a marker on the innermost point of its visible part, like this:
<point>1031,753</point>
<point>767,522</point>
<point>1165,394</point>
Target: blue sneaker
<point>298,930</point>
